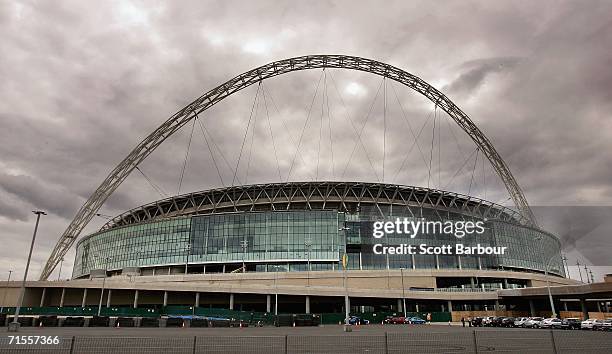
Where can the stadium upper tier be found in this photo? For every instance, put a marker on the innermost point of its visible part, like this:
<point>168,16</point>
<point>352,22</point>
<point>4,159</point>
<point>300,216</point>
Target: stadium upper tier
<point>307,226</point>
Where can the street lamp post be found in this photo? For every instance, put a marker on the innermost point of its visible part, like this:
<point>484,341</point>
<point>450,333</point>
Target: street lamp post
<point>275,289</point>
<point>403,292</point>
<point>106,259</point>
<point>308,245</point>
<point>546,265</point>
<point>188,251</point>
<point>14,326</point>
<point>346,294</point>
<point>6,290</point>
<point>244,244</point>
<point>550,298</point>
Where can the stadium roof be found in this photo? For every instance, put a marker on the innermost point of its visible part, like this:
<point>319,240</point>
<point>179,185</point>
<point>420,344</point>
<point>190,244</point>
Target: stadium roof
<point>343,196</point>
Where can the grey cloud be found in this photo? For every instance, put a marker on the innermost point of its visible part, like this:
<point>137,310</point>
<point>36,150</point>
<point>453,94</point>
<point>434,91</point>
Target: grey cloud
<point>59,201</point>
<point>83,83</point>
<point>474,73</point>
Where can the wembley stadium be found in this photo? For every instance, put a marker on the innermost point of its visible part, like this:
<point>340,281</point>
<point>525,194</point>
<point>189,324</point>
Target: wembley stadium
<point>308,247</point>
<point>297,227</point>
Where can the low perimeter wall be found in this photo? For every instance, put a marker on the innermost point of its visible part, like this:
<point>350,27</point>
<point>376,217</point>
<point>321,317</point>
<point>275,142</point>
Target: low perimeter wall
<point>478,341</point>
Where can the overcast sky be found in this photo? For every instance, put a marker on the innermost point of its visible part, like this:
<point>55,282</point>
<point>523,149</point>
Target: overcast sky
<point>82,82</point>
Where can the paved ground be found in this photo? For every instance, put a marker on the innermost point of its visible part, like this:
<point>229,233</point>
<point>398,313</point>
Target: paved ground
<point>316,340</point>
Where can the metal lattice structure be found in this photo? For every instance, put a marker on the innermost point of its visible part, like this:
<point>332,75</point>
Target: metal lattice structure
<point>342,196</point>
<point>217,94</point>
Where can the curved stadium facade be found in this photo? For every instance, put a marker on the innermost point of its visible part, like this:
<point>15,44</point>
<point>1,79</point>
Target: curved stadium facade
<point>298,227</point>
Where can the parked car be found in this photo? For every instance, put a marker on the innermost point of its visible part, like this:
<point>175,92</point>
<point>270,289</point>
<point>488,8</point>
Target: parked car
<point>520,321</point>
<point>602,325</point>
<point>396,320</point>
<point>568,323</point>
<point>477,321</point>
<point>507,322</point>
<point>587,324</point>
<point>532,322</point>
<point>607,325</point>
<point>487,321</point>
<point>416,320</point>
<point>496,321</point>
<point>354,320</point>
<point>549,322</point>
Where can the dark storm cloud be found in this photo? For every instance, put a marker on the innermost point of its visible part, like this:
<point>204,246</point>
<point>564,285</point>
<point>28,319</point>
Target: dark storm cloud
<point>83,83</point>
<point>55,199</point>
<point>474,73</point>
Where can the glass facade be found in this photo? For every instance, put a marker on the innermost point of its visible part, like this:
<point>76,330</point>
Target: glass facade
<point>293,239</point>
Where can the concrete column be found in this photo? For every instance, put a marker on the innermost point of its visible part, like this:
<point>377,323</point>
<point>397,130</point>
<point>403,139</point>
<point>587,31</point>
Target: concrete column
<point>472,282</point>
<point>224,268</point>
<point>231,305</point>
<point>450,306</point>
<point>204,269</point>
<point>108,297</point>
<point>505,283</point>
<point>165,298</point>
<point>44,293</point>
<point>479,264</point>
<point>399,305</point>
<point>459,262</point>
<point>268,303</point>
<point>61,304</point>
<point>496,305</point>
<point>413,261</point>
<point>307,304</point>
<point>153,271</point>
<point>598,307</point>
<point>136,299</point>
<point>564,305</point>
<point>197,300</point>
<point>532,309</point>
<point>437,262</point>
<point>84,297</point>
<point>416,307</point>
<point>585,312</point>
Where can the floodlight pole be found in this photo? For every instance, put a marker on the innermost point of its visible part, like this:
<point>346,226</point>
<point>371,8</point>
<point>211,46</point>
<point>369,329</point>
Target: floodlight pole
<point>6,290</point>
<point>275,289</point>
<point>14,326</point>
<point>103,285</point>
<point>244,244</point>
<point>550,298</point>
<point>346,294</point>
<point>275,293</point>
<point>308,245</point>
